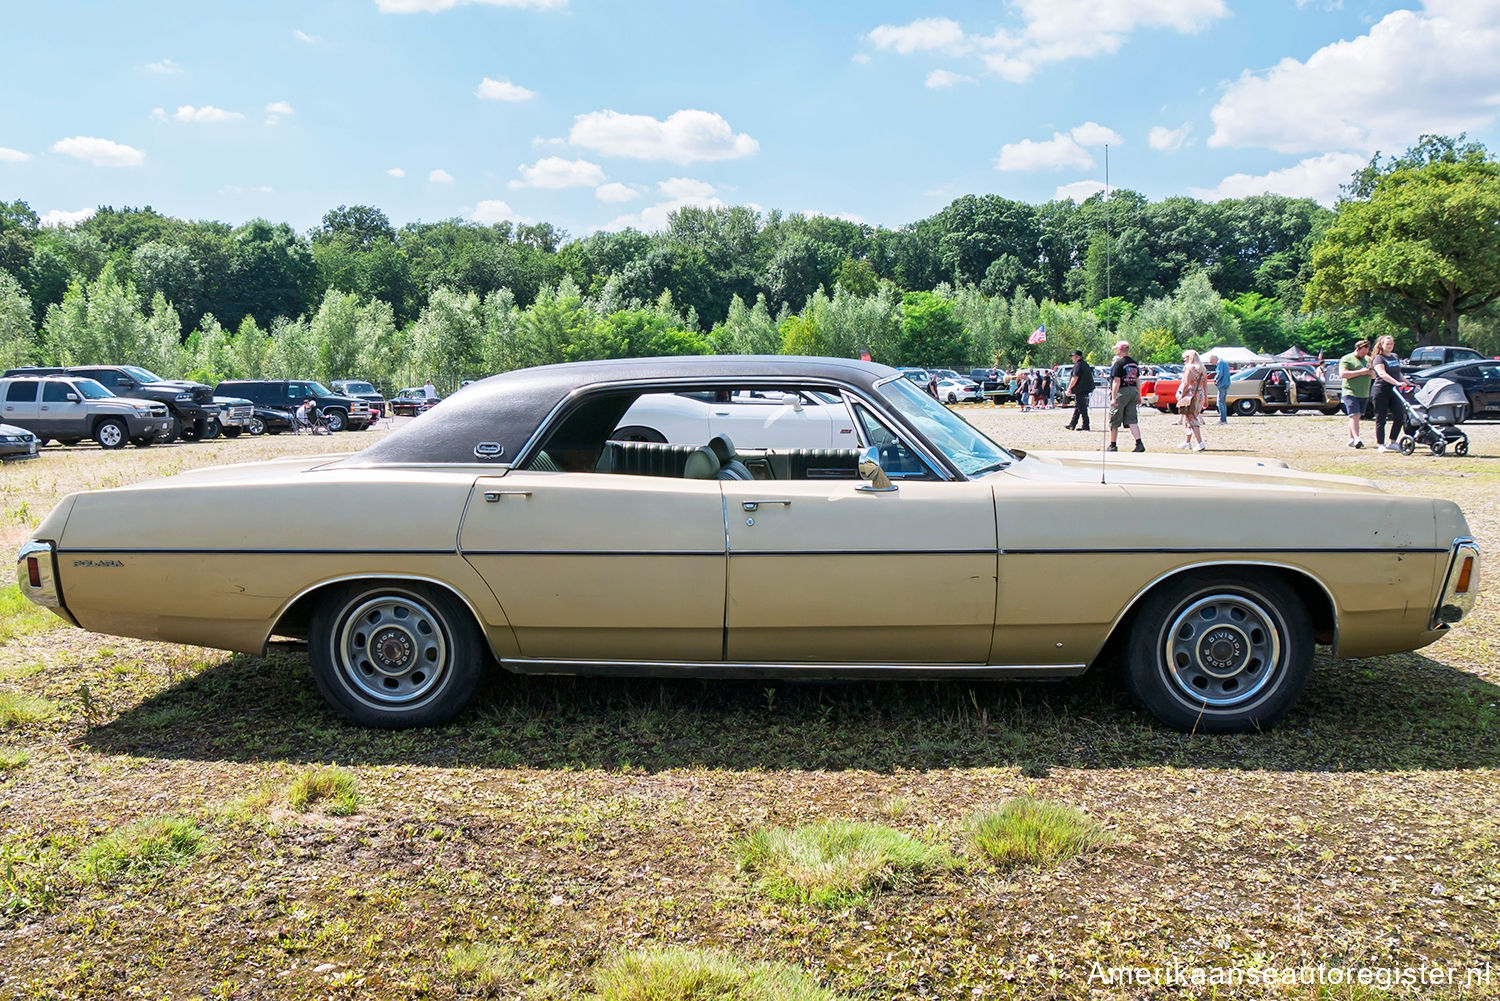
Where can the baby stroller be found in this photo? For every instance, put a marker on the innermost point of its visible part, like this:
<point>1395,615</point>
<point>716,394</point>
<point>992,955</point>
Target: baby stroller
<point>1432,415</point>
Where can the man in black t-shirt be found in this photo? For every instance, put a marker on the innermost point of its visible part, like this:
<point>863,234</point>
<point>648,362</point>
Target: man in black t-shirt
<point>1124,395</point>
<point>1080,385</point>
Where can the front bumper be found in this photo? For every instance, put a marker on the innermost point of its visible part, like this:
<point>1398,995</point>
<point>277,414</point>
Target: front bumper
<point>1460,584</point>
<point>26,449</point>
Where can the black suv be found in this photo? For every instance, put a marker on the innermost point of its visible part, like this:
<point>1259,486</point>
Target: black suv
<point>342,412</point>
<point>195,415</point>
<point>1434,355</point>
<point>364,390</point>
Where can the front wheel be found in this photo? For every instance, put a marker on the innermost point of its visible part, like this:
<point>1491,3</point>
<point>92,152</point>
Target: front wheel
<point>1212,653</point>
<point>395,655</point>
<point>337,420</point>
<point>256,425</point>
<point>1407,444</point>
<point>111,433</point>
<point>232,432</point>
<point>208,429</point>
<point>1246,408</point>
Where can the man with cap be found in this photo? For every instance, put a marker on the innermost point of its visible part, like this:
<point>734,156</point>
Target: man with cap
<point>1080,385</point>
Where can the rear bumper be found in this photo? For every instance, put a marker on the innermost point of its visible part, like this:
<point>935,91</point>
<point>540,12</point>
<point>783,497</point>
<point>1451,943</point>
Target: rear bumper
<point>36,576</point>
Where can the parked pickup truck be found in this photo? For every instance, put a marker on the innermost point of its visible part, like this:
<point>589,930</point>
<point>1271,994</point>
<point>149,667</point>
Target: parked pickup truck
<point>992,384</point>
<point>71,409</point>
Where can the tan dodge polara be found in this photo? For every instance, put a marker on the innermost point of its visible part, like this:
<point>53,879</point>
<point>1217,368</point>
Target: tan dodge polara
<point>513,527</point>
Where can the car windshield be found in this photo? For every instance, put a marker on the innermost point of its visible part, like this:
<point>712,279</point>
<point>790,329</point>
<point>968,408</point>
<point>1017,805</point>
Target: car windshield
<point>358,387</point>
<point>318,389</point>
<point>965,447</point>
<point>141,375</point>
<point>92,390</point>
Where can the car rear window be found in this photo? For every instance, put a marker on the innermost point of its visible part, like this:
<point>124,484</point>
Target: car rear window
<point>21,392</point>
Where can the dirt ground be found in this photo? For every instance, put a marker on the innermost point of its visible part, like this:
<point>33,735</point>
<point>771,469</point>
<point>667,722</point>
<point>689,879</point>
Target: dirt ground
<point>567,818</point>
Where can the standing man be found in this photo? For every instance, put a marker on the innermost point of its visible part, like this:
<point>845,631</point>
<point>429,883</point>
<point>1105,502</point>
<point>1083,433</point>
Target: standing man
<point>429,390</point>
<point>1354,369</point>
<point>1080,385</point>
<point>1221,383</point>
<point>1124,395</point>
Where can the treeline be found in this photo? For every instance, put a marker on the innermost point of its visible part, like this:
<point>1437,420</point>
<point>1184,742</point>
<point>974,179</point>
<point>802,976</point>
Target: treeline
<point>452,299</point>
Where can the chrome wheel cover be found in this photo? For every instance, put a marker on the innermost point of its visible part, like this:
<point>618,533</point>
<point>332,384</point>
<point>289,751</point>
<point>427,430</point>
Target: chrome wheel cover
<point>391,651</point>
<point>1222,651</point>
<point>111,436</point>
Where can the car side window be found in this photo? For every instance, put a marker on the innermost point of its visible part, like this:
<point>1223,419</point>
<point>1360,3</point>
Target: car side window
<point>898,459</point>
<point>21,392</point>
<point>55,392</point>
<point>110,380</point>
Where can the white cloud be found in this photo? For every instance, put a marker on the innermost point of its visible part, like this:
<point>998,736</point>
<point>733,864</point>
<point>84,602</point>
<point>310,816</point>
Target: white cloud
<point>1169,140</point>
<point>491,211</point>
<point>165,67</point>
<point>59,217</point>
<point>1094,134</point>
<point>678,192</point>
<point>1379,90</point>
<point>502,90</point>
<point>615,192</point>
<point>207,113</point>
<point>158,114</point>
<point>264,189</point>
<point>1079,191</point>
<point>100,152</point>
<point>1050,31</point>
<point>860,57</point>
<point>304,37</point>
<point>555,172</point>
<point>277,110</point>
<point>686,136</point>
<point>930,34</point>
<point>396,172</point>
<point>846,216</point>
<point>440,176</point>
<point>8,155</point>
<point>1064,149</point>
<point>433,6</point>
<point>1318,178</point>
<point>938,79</point>
<point>538,141</point>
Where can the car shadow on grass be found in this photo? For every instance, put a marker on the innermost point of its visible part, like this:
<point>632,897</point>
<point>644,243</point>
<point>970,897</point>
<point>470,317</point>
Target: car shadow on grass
<point>1400,712</point>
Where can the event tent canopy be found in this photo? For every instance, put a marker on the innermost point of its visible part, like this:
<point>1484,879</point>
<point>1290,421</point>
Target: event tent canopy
<point>1235,356</point>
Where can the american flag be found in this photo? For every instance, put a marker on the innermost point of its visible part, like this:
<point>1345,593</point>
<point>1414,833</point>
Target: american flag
<point>1038,335</point>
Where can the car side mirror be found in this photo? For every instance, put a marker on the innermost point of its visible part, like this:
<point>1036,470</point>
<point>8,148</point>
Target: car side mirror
<point>126,384</point>
<point>72,397</point>
<point>876,482</point>
<point>792,400</point>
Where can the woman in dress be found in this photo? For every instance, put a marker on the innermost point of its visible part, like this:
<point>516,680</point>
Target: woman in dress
<point>1192,394</point>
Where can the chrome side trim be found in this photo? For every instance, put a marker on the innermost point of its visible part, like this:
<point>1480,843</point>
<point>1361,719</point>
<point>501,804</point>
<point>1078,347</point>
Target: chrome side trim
<point>742,668</point>
<point>1451,606</point>
<point>1239,564</point>
<point>46,593</point>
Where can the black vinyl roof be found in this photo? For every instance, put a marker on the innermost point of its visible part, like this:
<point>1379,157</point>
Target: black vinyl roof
<point>507,409</point>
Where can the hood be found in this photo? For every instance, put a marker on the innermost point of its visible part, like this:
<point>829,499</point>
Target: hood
<point>1130,469</point>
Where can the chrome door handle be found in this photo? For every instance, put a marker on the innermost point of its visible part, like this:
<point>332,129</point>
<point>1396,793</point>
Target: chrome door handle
<point>752,505</point>
<point>493,496</point>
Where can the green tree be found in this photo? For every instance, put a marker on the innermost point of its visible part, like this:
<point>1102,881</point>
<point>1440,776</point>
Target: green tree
<point>1422,248</point>
<point>747,330</point>
<point>1260,321</point>
<point>930,333</point>
<point>448,336</point>
<point>17,335</point>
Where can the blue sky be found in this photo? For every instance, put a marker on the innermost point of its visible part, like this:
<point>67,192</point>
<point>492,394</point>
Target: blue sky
<point>596,114</point>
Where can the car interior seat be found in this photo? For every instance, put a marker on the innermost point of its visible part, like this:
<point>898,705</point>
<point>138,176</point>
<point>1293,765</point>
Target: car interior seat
<point>730,467</point>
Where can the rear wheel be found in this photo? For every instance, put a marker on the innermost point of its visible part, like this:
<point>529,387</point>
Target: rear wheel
<point>1439,447</point>
<point>1214,653</point>
<point>111,433</point>
<point>395,655</point>
<point>634,433</point>
<point>1247,408</point>
<point>1461,447</point>
<point>1407,444</point>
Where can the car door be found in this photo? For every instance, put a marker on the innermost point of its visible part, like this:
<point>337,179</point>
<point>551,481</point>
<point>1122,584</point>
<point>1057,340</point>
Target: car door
<point>829,571</point>
<point>762,418</point>
<point>1485,389</point>
<point>602,566</point>
<point>20,406</point>
<point>60,416</point>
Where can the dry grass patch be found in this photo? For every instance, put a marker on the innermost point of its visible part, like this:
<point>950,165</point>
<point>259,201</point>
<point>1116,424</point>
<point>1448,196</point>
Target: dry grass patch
<point>702,975</point>
<point>145,846</point>
<point>1033,832</point>
<point>332,790</point>
<point>12,760</point>
<point>834,862</point>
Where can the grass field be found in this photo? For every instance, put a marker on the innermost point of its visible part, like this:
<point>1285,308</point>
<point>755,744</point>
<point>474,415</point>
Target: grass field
<point>180,823</point>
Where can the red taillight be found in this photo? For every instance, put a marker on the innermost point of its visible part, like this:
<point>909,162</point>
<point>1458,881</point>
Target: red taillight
<point>34,571</point>
<point>1462,587</point>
